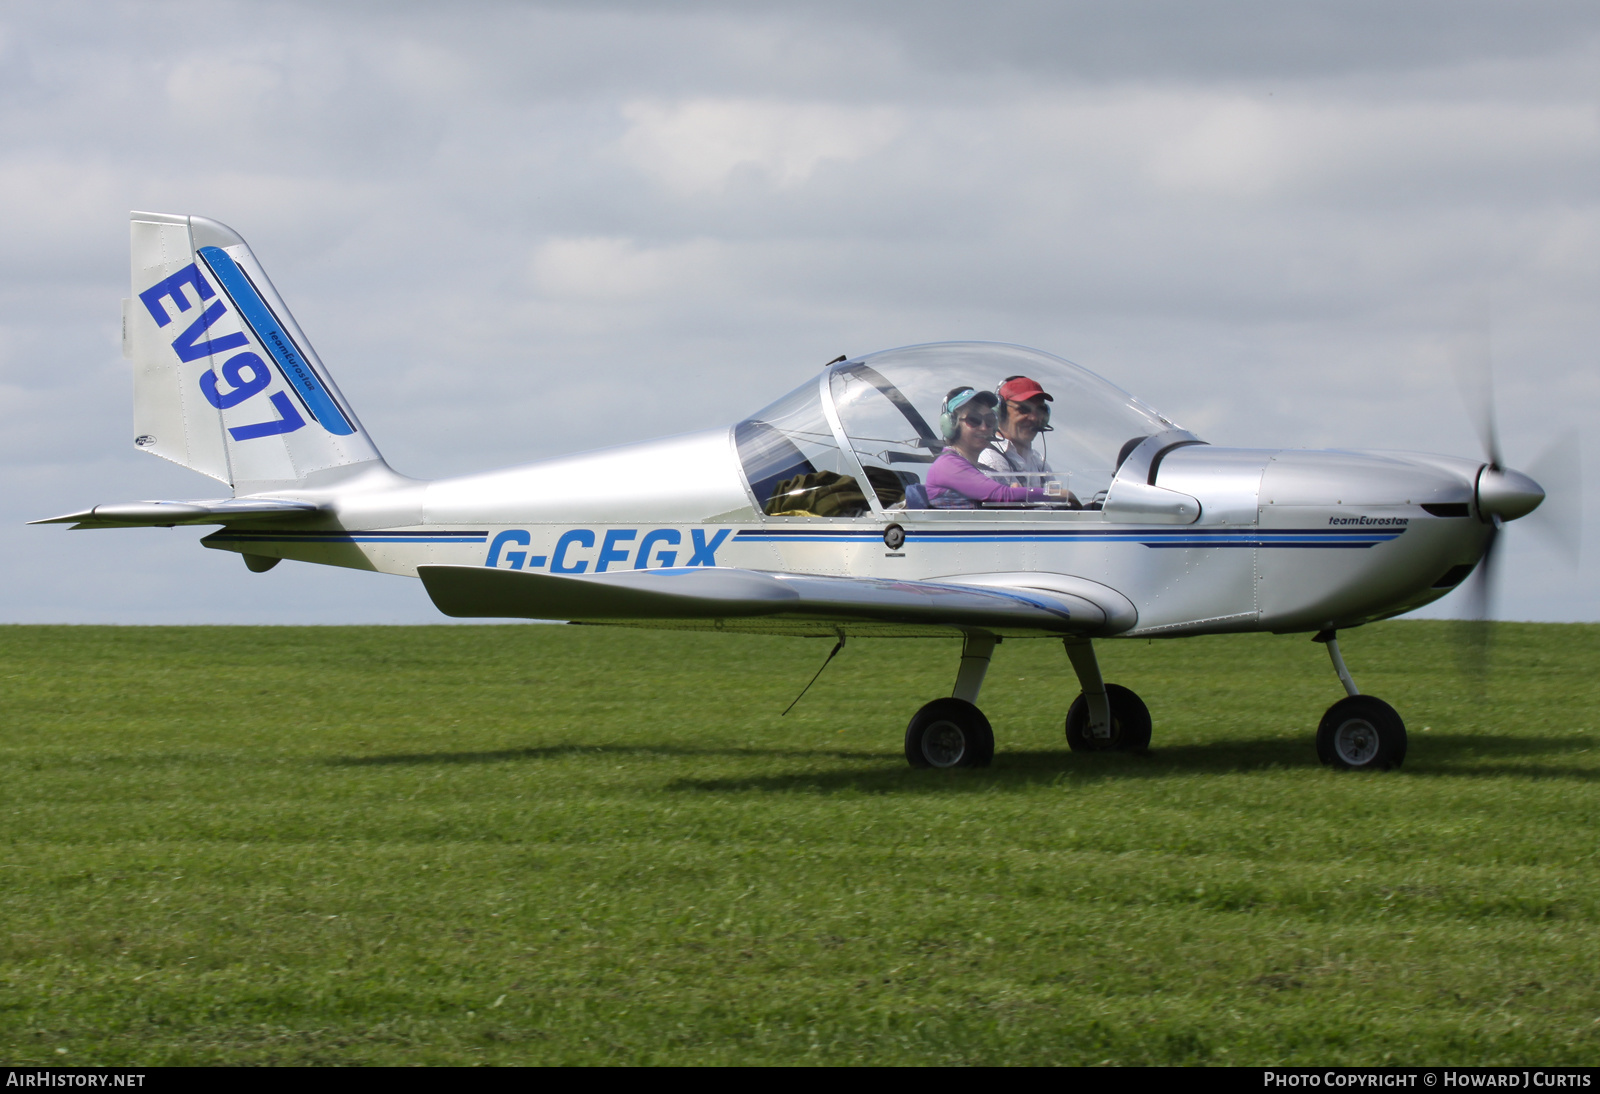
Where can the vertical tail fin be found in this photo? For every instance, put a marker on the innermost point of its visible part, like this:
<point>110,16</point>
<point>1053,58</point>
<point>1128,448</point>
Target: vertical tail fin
<point>225,381</point>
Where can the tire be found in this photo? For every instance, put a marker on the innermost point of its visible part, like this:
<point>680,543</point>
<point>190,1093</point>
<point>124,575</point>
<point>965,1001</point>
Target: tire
<point>949,733</point>
<point>1361,733</point>
<point>1130,723</point>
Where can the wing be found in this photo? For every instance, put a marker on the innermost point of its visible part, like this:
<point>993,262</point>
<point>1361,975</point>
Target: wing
<point>752,601</point>
<point>166,514</point>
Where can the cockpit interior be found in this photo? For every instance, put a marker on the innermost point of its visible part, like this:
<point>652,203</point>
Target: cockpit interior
<point>863,435</point>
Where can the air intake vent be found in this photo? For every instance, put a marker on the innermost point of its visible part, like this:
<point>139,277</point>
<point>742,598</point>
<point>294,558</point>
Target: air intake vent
<point>1446,509</point>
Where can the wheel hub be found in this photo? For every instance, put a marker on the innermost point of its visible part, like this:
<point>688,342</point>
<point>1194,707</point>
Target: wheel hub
<point>944,744</point>
<point>1356,742</point>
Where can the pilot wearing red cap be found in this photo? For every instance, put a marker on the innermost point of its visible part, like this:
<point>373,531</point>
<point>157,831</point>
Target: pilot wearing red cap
<point>1023,416</point>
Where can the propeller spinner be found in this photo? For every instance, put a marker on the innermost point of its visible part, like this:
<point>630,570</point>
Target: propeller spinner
<point>1503,494</point>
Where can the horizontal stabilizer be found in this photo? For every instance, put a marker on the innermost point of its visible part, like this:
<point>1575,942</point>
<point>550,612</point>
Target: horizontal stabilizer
<point>166,514</point>
<point>751,600</point>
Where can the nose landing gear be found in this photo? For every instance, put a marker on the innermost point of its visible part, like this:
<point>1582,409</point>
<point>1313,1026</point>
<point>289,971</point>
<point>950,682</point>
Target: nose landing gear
<point>1359,732</point>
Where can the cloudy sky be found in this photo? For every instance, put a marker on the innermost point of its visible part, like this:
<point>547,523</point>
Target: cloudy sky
<point>515,229</point>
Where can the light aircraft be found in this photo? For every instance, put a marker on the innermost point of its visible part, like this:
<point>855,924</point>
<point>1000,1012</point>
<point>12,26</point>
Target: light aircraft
<point>812,516</point>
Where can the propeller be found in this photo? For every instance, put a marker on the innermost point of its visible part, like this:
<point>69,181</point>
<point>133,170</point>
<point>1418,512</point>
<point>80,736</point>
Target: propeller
<point>1553,494</point>
<point>1475,375</point>
<point>1474,631</point>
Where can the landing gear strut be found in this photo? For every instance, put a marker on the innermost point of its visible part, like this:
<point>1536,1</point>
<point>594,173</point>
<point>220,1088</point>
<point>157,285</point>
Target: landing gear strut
<point>953,732</point>
<point>1106,717</point>
<point>1359,732</point>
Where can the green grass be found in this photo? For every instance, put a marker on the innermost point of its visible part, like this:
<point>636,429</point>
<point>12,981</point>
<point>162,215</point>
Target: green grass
<point>575,845</point>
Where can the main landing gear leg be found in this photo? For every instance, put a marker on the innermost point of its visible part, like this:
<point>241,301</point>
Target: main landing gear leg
<point>976,649</point>
<point>1359,732</point>
<point>953,732</point>
<point>1106,717</point>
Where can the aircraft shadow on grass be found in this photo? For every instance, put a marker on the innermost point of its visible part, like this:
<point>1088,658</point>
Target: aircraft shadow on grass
<point>1442,755</point>
<point>1473,755</point>
<point>550,752</point>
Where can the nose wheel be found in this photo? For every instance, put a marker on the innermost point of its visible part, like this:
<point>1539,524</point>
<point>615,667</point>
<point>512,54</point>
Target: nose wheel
<point>1361,733</point>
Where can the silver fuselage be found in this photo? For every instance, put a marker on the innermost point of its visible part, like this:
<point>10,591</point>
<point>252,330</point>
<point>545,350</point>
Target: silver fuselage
<point>1285,539</point>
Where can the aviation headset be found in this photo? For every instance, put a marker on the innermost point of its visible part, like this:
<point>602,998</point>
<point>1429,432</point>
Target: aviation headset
<point>959,397</point>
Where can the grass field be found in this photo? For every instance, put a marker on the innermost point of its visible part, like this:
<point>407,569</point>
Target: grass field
<point>531,844</point>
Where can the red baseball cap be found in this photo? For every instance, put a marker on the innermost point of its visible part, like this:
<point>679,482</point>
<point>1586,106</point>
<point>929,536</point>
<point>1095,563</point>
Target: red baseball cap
<point>1019,389</point>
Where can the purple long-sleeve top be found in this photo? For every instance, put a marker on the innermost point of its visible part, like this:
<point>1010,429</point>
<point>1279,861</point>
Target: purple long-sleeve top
<point>954,483</point>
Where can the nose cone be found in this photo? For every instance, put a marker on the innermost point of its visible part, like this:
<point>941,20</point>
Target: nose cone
<point>1507,494</point>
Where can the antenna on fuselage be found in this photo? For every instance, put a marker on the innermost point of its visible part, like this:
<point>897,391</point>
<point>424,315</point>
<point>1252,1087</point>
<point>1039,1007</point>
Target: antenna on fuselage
<point>839,646</point>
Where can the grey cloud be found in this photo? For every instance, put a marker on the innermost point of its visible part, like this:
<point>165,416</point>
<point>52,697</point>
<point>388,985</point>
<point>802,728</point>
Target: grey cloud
<point>1171,40</point>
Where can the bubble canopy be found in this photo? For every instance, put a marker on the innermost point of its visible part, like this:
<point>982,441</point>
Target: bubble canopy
<point>877,418</point>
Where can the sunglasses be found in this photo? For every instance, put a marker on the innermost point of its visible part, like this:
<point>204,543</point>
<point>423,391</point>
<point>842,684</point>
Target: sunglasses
<point>972,419</point>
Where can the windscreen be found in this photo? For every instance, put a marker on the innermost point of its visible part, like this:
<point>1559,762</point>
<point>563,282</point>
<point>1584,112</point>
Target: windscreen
<point>792,461</point>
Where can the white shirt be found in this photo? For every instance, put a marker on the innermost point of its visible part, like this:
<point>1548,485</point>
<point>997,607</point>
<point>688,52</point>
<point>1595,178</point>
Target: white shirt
<point>1002,460</point>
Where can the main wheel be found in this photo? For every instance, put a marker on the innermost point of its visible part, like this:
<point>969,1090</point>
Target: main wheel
<point>1130,723</point>
<point>949,733</point>
<point>1361,733</point>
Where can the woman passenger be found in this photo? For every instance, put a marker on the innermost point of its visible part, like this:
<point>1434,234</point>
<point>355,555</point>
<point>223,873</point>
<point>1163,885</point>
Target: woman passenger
<point>955,481</point>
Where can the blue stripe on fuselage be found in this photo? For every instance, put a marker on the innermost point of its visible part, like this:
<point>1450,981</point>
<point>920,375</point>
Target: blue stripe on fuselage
<point>1288,537</point>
